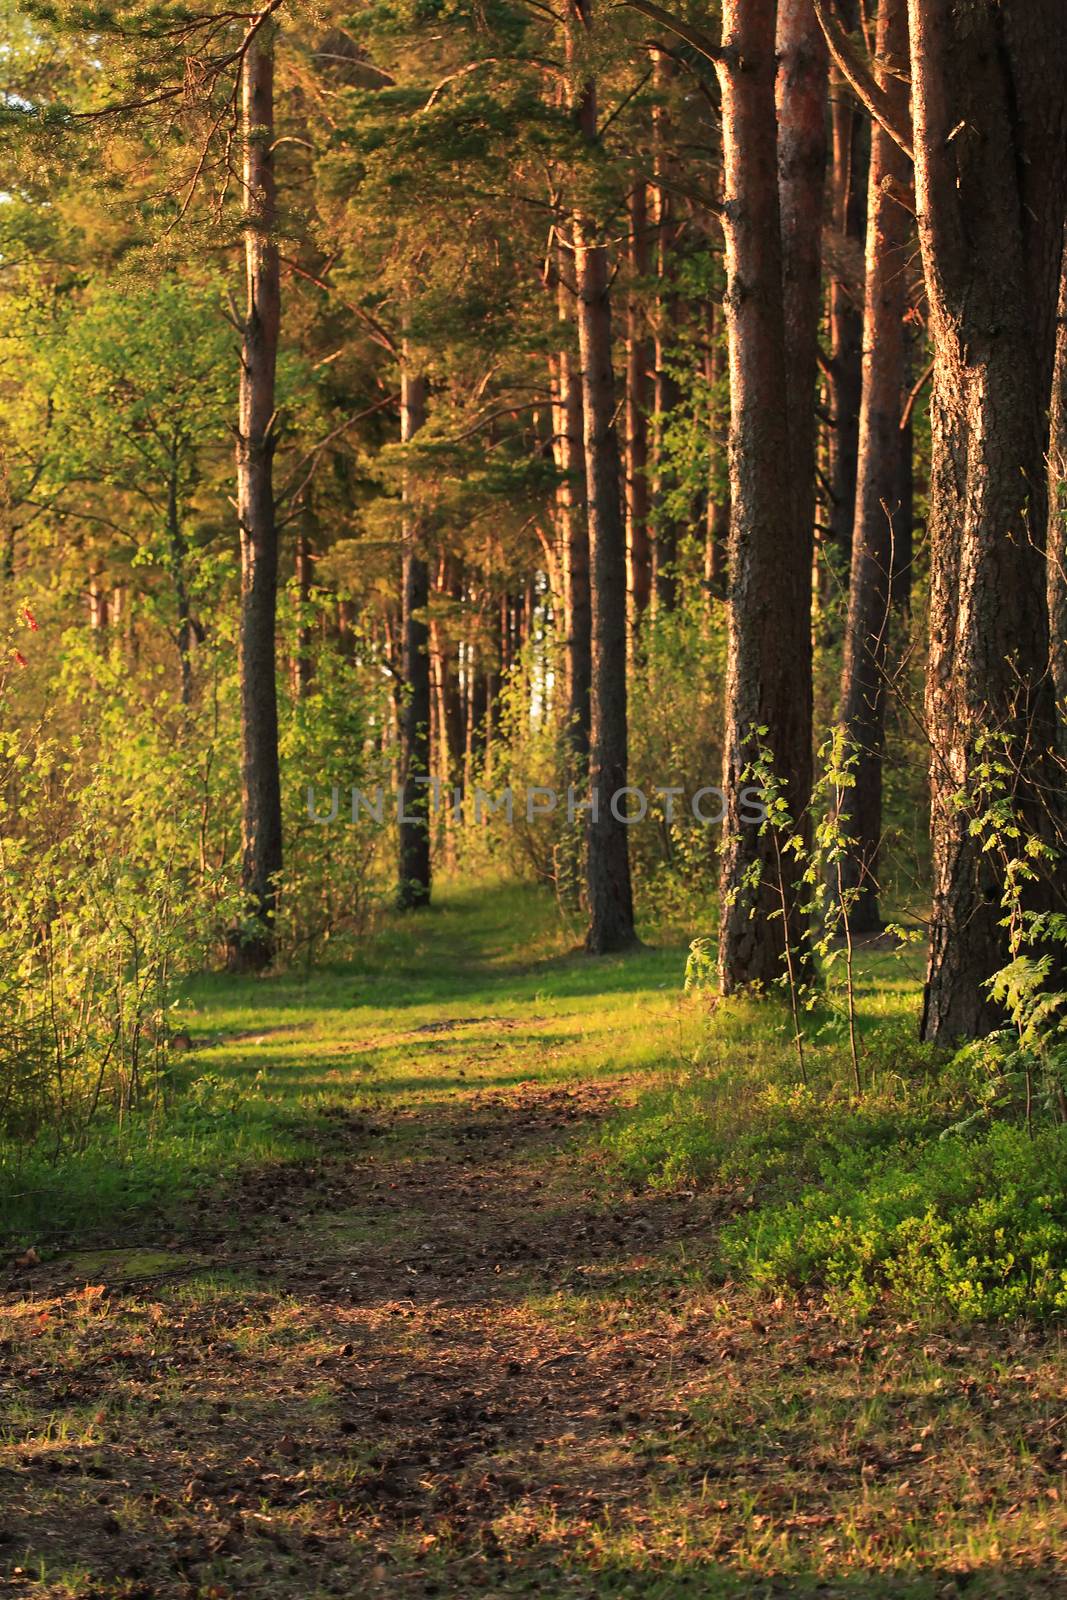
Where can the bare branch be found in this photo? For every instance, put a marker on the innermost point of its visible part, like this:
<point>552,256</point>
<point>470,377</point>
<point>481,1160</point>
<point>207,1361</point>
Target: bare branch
<point>312,457</point>
<point>378,333</point>
<point>690,191</point>
<point>696,37</point>
<point>859,77</point>
<point>920,384</point>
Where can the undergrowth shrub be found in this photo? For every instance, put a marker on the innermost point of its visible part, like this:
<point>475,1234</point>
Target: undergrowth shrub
<point>972,1227</point>
<point>926,1191</point>
<point>105,903</point>
<point>329,744</point>
<point>674,733</point>
<point>119,850</point>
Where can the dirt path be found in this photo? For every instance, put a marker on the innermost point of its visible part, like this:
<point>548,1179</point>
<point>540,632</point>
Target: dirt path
<point>447,1359</point>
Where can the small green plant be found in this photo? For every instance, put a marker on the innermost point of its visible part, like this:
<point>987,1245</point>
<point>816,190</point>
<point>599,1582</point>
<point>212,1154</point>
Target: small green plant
<point>789,847</point>
<point>837,776</point>
<point>972,1228</point>
<point>1026,1060</point>
<point>814,871</point>
<point>700,972</point>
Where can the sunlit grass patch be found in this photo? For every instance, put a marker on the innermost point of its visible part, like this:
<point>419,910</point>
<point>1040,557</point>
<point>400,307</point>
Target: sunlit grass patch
<point>437,1005</point>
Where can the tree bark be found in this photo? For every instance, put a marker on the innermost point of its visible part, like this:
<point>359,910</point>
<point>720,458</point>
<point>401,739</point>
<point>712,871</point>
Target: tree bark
<point>666,390</point>
<point>98,597</point>
<point>611,914</point>
<point>1057,520</point>
<point>413,826</point>
<point>574,528</point>
<point>989,87</point>
<point>610,895</point>
<point>346,633</point>
<point>875,555</point>
<point>768,675</point>
<point>261,809</point>
<point>849,190</point>
<point>303,557</point>
<point>801,95</point>
<point>904,519</point>
<point>638,354</point>
<point>449,700</point>
<point>717,516</point>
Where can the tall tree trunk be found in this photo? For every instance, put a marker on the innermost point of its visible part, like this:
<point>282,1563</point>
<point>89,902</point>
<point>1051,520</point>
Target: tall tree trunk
<point>610,896</point>
<point>301,668</point>
<point>638,547</point>
<point>413,828</point>
<point>450,705</point>
<point>768,674</point>
<point>717,523</point>
<point>261,807</point>
<point>904,518</point>
<point>98,612</point>
<point>346,633</point>
<point>849,190</point>
<point>1057,520</point>
<point>989,86</point>
<point>574,527</point>
<point>801,95</point>
<point>178,554</point>
<point>666,389</point>
<point>878,509</point>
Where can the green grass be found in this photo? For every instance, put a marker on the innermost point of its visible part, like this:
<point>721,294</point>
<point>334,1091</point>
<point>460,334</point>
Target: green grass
<point>484,990</point>
<point>420,1288</point>
<point>907,1191</point>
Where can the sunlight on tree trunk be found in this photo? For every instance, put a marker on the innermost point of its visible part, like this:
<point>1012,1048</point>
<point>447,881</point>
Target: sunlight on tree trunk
<point>261,815</point>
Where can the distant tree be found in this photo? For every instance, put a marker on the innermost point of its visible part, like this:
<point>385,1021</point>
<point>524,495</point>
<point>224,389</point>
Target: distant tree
<point>122,405</point>
<point>850,145</point>
<point>413,887</point>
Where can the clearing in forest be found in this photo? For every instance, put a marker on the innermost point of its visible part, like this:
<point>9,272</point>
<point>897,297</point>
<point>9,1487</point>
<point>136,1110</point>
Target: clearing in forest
<point>374,1314</point>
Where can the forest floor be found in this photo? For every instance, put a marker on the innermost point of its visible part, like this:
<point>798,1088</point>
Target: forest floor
<point>402,1330</point>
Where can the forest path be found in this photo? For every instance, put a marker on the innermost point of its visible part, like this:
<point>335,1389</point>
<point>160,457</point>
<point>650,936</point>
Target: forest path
<point>435,1348</point>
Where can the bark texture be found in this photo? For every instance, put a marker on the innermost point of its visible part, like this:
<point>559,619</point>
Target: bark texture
<point>848,213</point>
<point>1057,518</point>
<point>768,674</point>
<point>413,826</point>
<point>638,357</point>
<point>803,72</point>
<point>573,526</point>
<point>668,310</point>
<point>609,891</point>
<point>261,808</point>
<point>717,511</point>
<point>989,88</point>
<point>611,913</point>
<point>879,512</point>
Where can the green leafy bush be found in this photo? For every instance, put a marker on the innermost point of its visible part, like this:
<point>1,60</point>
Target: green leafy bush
<point>972,1227</point>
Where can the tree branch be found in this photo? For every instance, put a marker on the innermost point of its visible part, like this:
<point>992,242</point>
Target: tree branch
<point>690,191</point>
<point>920,384</point>
<point>696,37</point>
<point>857,74</point>
<point>311,460</point>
